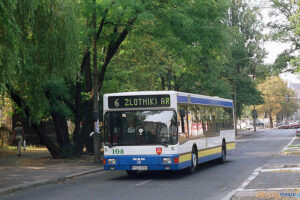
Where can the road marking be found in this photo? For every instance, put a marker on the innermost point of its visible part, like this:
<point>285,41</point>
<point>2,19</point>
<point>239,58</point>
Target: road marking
<point>244,185</point>
<point>229,195</point>
<point>258,170</point>
<point>286,147</point>
<point>142,183</point>
<point>262,139</point>
<point>251,178</point>
<point>287,169</point>
<point>269,189</point>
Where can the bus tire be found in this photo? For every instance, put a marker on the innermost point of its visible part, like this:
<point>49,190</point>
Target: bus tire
<point>223,153</point>
<point>194,161</point>
<point>132,173</point>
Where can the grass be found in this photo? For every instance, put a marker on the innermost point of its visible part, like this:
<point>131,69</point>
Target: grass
<point>294,146</point>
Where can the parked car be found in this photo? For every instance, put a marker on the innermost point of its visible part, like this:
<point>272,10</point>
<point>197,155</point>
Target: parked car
<point>285,126</point>
<point>296,125</point>
<point>258,123</point>
<point>298,132</point>
<point>279,125</point>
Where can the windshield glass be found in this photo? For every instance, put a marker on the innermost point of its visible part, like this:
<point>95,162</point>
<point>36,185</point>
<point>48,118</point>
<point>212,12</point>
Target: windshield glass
<point>140,127</point>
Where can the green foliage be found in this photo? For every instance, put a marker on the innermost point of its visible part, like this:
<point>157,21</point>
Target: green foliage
<point>286,30</point>
<point>177,43</point>
<point>244,54</point>
<point>203,47</point>
<point>9,41</point>
<point>193,52</point>
<point>48,55</point>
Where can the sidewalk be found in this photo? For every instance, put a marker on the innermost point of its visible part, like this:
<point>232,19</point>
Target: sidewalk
<point>37,168</point>
<point>278,179</point>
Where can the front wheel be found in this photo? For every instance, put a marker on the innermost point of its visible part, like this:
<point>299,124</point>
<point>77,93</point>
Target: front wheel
<point>194,161</point>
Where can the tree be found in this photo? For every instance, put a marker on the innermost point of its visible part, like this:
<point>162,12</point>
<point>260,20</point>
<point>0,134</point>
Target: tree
<point>175,23</point>
<point>45,71</point>
<point>285,30</point>
<point>191,66</point>
<point>274,92</point>
<point>67,52</point>
<point>245,54</point>
<point>9,41</point>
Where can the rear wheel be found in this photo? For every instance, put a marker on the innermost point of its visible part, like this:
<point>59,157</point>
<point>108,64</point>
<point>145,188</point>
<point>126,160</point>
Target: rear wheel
<point>223,154</point>
<point>194,161</point>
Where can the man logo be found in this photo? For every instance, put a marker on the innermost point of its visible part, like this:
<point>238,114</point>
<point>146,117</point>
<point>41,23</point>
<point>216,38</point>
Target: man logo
<point>138,160</point>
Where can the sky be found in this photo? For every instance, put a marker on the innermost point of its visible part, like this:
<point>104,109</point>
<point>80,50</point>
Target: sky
<point>295,78</point>
<point>273,48</point>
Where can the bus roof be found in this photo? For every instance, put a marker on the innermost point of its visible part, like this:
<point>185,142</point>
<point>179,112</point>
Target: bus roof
<point>182,97</point>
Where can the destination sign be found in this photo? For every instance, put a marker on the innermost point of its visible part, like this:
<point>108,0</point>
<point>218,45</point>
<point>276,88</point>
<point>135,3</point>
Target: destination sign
<point>142,101</point>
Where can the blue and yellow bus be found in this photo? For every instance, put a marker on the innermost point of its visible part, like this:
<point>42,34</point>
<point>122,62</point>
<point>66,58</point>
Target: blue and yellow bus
<point>165,130</point>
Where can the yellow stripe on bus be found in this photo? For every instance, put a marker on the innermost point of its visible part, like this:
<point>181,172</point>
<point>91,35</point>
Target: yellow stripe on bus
<point>207,152</point>
<point>230,146</point>
<point>185,157</point>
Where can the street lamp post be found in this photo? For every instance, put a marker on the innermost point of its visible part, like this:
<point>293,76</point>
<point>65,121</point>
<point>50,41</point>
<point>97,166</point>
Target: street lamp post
<point>254,113</point>
<point>254,118</point>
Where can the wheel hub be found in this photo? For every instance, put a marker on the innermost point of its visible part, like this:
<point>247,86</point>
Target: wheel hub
<point>194,157</point>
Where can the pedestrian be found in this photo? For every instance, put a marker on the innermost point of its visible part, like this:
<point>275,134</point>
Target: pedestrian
<point>19,135</point>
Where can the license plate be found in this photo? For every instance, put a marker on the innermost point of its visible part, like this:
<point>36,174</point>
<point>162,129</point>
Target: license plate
<point>139,167</point>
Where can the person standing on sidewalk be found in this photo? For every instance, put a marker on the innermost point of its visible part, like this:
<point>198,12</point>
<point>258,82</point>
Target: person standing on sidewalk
<point>19,134</point>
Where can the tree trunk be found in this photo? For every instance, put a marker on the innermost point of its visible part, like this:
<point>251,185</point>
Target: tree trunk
<point>95,91</point>
<point>85,130</point>
<point>52,148</point>
<point>88,86</point>
<point>270,118</point>
<point>61,130</point>
<point>78,104</point>
<point>235,108</point>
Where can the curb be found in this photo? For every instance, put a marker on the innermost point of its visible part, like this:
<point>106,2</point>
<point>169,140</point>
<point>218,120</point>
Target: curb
<point>46,182</point>
<point>291,150</point>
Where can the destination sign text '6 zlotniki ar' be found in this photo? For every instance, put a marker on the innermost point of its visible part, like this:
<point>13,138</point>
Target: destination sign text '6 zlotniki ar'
<point>139,101</point>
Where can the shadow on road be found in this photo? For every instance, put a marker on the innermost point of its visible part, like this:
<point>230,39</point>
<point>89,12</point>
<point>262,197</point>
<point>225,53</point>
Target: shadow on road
<point>168,175</point>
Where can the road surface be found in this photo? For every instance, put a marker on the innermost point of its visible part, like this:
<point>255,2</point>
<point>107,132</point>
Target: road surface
<point>212,181</point>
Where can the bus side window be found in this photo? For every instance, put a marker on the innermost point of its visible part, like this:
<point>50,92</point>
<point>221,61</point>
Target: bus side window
<point>182,116</point>
<point>188,123</point>
<point>194,125</point>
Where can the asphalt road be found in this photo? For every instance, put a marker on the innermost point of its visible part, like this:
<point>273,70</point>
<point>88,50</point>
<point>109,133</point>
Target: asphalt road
<point>211,181</point>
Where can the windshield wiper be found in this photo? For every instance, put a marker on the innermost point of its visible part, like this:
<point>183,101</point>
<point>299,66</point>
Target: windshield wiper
<point>162,143</point>
<point>159,142</point>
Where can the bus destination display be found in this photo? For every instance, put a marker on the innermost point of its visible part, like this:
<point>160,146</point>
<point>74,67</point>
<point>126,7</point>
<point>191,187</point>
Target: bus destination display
<point>139,101</point>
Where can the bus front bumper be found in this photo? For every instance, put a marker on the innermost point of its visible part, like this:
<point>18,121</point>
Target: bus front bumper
<point>145,162</point>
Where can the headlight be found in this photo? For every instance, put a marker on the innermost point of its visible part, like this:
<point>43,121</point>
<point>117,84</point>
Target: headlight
<point>167,160</point>
<point>111,161</point>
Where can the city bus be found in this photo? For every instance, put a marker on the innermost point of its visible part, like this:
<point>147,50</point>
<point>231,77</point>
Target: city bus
<point>165,130</point>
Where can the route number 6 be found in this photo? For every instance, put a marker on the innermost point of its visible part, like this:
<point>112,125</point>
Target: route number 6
<point>117,103</point>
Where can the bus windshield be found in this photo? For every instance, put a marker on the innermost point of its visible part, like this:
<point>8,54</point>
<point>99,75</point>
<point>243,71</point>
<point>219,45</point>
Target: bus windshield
<point>140,128</point>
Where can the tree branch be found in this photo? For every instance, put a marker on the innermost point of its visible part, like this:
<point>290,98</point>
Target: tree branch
<point>112,49</point>
<point>102,21</point>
